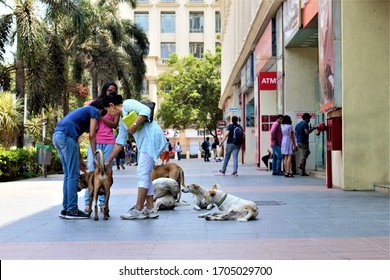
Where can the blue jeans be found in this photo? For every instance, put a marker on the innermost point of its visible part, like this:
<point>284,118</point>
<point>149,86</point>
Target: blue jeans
<point>68,152</point>
<point>277,158</point>
<point>106,149</point>
<point>178,155</point>
<point>231,149</point>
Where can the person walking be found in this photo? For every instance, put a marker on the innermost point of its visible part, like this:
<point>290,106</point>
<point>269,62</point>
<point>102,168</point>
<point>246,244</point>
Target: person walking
<point>233,145</point>
<point>288,145</point>
<point>302,131</point>
<point>178,150</point>
<point>214,147</point>
<point>105,139</point>
<point>65,140</point>
<point>206,149</point>
<point>276,143</point>
<point>150,141</point>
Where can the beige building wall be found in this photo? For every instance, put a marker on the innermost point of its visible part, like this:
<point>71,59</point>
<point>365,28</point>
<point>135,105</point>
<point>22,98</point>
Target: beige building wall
<point>182,37</point>
<point>365,93</point>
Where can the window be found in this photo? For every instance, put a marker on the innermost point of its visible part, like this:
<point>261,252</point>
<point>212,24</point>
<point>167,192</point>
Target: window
<point>196,0</point>
<point>142,19</point>
<point>145,87</point>
<point>168,0</point>
<point>166,50</point>
<point>197,49</point>
<point>168,22</point>
<point>196,22</point>
<point>217,22</point>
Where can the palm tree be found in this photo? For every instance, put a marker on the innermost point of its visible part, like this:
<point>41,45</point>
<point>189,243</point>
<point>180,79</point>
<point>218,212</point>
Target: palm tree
<point>114,50</point>
<point>31,51</point>
<point>10,118</point>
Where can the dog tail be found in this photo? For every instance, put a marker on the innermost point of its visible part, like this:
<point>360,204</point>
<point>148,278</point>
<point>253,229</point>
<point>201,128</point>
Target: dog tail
<point>101,162</point>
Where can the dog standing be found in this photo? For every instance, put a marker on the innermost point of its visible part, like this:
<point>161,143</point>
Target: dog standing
<point>169,170</point>
<point>98,182</point>
<point>166,191</point>
<point>232,207</point>
<point>199,196</point>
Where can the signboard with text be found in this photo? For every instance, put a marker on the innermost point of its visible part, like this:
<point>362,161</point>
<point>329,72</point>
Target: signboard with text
<point>267,81</point>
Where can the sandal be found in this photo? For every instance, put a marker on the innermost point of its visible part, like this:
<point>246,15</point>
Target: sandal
<point>289,175</point>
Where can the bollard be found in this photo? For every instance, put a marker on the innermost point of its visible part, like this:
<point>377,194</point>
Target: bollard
<point>188,154</point>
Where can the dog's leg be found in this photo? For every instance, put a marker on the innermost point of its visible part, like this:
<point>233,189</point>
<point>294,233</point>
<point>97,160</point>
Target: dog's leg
<point>106,210</point>
<point>96,208</point>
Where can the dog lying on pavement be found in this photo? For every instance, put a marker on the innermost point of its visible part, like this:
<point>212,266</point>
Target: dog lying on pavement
<point>232,207</point>
<point>169,170</point>
<point>166,192</point>
<point>199,196</point>
<point>98,182</point>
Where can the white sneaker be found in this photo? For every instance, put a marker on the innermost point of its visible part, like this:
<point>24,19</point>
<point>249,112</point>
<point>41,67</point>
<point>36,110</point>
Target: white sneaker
<point>133,214</point>
<point>150,213</point>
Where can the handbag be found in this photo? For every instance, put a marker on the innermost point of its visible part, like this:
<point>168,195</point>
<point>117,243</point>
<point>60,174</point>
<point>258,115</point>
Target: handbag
<point>132,116</point>
<point>151,106</point>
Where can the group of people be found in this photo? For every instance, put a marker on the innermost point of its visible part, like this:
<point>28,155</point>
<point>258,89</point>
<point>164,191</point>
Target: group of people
<point>208,148</point>
<point>285,142</point>
<point>99,118</point>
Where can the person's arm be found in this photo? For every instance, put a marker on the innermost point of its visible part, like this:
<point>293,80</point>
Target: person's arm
<point>226,135</point>
<point>92,138</point>
<point>111,124</point>
<point>292,139</point>
<point>133,128</point>
<point>114,153</point>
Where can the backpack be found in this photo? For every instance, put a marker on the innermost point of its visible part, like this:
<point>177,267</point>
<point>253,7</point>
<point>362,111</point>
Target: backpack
<point>204,145</point>
<point>151,106</point>
<point>238,135</point>
<point>170,147</point>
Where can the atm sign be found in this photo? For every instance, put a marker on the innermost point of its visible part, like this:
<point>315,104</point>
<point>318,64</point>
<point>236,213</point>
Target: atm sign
<point>267,81</point>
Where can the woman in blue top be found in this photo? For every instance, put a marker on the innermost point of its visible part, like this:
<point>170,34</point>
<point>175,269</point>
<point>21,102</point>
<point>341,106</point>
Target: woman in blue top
<point>150,141</point>
<point>65,140</point>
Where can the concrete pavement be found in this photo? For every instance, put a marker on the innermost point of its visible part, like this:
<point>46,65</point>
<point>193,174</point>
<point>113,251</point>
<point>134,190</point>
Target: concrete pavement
<point>299,219</point>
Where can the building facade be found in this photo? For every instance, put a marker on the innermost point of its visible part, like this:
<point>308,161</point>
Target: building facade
<point>181,27</point>
<point>327,58</point>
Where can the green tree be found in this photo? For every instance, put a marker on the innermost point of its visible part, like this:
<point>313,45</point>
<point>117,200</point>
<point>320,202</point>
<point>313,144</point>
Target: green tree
<point>10,118</point>
<point>113,50</point>
<point>31,59</point>
<point>191,89</point>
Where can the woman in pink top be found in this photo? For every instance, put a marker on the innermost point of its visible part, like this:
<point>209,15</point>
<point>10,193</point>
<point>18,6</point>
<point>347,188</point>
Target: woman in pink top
<point>105,138</point>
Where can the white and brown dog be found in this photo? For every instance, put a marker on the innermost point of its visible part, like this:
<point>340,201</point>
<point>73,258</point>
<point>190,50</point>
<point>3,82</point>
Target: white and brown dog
<point>169,170</point>
<point>98,182</point>
<point>199,196</point>
<point>232,207</point>
<point>166,192</point>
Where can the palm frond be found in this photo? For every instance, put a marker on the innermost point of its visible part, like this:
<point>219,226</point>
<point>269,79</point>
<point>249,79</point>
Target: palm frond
<point>5,32</point>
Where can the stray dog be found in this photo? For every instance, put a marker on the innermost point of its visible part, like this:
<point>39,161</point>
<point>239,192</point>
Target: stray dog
<point>199,196</point>
<point>166,191</point>
<point>233,207</point>
<point>98,182</point>
<point>169,170</point>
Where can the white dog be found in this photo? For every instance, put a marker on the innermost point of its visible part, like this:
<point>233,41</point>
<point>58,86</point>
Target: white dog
<point>166,193</point>
<point>199,199</point>
<point>233,207</point>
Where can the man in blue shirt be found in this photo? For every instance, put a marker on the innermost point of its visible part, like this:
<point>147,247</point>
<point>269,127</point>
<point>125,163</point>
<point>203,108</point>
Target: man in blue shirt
<point>302,131</point>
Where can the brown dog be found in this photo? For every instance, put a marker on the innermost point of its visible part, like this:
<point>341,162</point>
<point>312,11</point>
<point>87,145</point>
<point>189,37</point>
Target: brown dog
<point>169,170</point>
<point>98,182</point>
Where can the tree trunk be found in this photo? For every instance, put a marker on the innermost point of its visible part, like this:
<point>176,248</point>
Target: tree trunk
<point>94,86</point>
<point>19,85</point>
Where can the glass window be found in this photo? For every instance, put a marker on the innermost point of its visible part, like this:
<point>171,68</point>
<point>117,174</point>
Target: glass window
<point>168,0</point>
<point>196,22</point>
<point>197,49</point>
<point>142,19</point>
<point>217,22</point>
<point>166,50</point>
<point>168,22</point>
<point>145,87</point>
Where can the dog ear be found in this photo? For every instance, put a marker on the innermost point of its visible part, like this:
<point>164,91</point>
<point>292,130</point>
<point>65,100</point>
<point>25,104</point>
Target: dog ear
<point>214,187</point>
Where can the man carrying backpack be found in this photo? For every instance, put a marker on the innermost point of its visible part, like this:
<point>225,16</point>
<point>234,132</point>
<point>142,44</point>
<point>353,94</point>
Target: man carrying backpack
<point>206,148</point>
<point>235,137</point>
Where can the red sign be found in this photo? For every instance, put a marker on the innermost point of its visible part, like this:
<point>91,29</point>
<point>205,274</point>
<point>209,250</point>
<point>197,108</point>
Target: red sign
<point>267,81</point>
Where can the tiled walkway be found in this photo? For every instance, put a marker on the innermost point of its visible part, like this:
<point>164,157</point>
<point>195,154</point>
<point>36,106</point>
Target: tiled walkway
<point>299,219</point>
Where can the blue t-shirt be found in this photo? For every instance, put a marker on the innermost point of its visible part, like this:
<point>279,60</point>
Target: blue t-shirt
<point>77,122</point>
<point>302,136</point>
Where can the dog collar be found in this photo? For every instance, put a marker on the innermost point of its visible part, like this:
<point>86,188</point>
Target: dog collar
<point>222,200</point>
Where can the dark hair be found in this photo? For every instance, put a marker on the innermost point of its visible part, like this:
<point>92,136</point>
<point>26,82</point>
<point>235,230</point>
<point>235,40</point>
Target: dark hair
<point>286,119</point>
<point>97,104</point>
<point>279,116</point>
<point>114,99</point>
<point>105,87</point>
<point>234,119</point>
<point>306,116</point>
